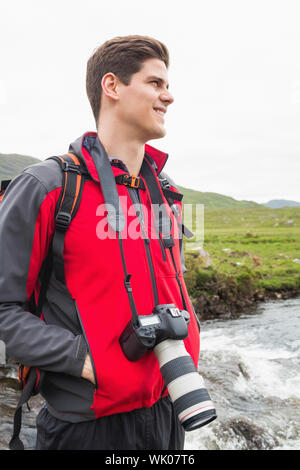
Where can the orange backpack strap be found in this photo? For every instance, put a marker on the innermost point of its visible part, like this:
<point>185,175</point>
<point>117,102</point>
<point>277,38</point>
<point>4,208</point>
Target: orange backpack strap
<point>73,180</point>
<point>72,185</point>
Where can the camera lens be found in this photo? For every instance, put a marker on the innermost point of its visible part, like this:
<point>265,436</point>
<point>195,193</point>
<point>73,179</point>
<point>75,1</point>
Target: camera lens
<point>185,385</point>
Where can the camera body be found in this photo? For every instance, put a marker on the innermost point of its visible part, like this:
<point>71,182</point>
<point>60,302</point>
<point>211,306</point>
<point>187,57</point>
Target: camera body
<point>165,322</point>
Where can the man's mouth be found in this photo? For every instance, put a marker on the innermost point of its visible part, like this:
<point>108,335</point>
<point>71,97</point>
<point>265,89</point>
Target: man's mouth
<point>160,111</point>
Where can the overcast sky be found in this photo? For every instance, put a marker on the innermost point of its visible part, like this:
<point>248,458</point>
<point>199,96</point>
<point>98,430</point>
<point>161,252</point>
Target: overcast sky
<point>234,127</point>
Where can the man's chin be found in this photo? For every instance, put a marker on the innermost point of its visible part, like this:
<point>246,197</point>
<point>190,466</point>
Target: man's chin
<point>158,134</point>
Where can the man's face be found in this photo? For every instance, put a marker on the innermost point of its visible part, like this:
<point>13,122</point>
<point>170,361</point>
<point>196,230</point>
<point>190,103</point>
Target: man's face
<point>143,103</point>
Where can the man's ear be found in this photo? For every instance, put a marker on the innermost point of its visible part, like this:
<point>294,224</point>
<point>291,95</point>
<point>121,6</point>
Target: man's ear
<point>110,84</point>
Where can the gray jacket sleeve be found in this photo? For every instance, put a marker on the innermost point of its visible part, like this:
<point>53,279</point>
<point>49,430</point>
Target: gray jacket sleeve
<point>25,229</point>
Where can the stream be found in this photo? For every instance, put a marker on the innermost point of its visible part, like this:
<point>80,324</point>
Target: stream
<point>251,367</point>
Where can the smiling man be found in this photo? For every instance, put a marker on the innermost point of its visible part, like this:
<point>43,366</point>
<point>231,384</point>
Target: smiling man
<point>96,395</point>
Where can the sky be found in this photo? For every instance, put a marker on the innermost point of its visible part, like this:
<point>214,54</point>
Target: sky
<point>234,126</point>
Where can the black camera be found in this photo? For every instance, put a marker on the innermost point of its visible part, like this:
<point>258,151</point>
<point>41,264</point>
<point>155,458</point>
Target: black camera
<point>163,332</point>
<point>166,322</point>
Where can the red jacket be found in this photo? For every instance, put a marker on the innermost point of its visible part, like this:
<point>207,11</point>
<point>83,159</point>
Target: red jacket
<point>91,309</point>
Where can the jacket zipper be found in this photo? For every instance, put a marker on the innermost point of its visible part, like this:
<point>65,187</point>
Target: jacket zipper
<point>135,199</point>
<point>86,340</point>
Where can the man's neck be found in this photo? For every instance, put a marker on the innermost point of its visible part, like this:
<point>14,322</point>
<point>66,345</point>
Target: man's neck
<point>130,151</point>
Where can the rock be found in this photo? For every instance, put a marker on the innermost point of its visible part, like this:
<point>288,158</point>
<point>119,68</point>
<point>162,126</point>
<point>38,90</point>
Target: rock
<point>205,256</point>
<point>259,295</point>
<point>289,223</point>
<point>215,298</point>
<point>251,235</point>
<point>256,260</point>
<point>243,370</point>
<point>256,437</point>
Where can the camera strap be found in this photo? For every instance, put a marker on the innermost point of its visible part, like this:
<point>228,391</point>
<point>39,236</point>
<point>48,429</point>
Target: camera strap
<point>127,283</point>
<point>115,215</point>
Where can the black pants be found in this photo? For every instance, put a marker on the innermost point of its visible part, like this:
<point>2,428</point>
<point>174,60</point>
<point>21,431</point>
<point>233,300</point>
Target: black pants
<point>155,428</point>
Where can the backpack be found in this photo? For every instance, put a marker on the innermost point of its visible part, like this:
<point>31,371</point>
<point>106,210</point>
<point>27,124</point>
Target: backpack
<point>74,175</point>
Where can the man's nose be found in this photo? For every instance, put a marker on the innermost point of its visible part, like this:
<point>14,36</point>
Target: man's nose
<point>166,97</point>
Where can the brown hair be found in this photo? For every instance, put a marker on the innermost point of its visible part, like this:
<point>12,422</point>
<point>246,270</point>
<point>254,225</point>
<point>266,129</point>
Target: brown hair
<point>122,56</point>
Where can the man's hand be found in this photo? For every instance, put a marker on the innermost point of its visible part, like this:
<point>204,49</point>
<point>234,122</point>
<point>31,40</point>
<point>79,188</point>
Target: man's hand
<point>87,371</point>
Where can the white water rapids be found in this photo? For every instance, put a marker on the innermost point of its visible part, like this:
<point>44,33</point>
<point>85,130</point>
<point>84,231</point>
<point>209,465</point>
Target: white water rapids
<point>251,367</point>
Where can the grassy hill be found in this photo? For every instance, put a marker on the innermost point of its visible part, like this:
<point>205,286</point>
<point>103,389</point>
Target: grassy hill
<point>12,164</point>
<point>213,200</point>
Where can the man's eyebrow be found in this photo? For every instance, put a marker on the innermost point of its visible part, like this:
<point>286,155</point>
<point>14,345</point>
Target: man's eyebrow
<point>161,80</point>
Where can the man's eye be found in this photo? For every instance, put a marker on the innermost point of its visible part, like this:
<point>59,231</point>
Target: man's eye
<point>155,81</point>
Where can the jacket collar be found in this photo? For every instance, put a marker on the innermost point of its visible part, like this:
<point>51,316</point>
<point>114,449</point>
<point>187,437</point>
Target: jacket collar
<point>83,149</point>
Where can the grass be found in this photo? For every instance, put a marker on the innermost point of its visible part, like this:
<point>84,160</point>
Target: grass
<point>251,249</point>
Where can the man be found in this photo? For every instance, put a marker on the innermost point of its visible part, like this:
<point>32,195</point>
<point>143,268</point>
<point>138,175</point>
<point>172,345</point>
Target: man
<point>95,398</point>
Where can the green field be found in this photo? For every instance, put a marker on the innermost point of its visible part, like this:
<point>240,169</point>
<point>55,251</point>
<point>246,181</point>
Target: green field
<point>252,251</point>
